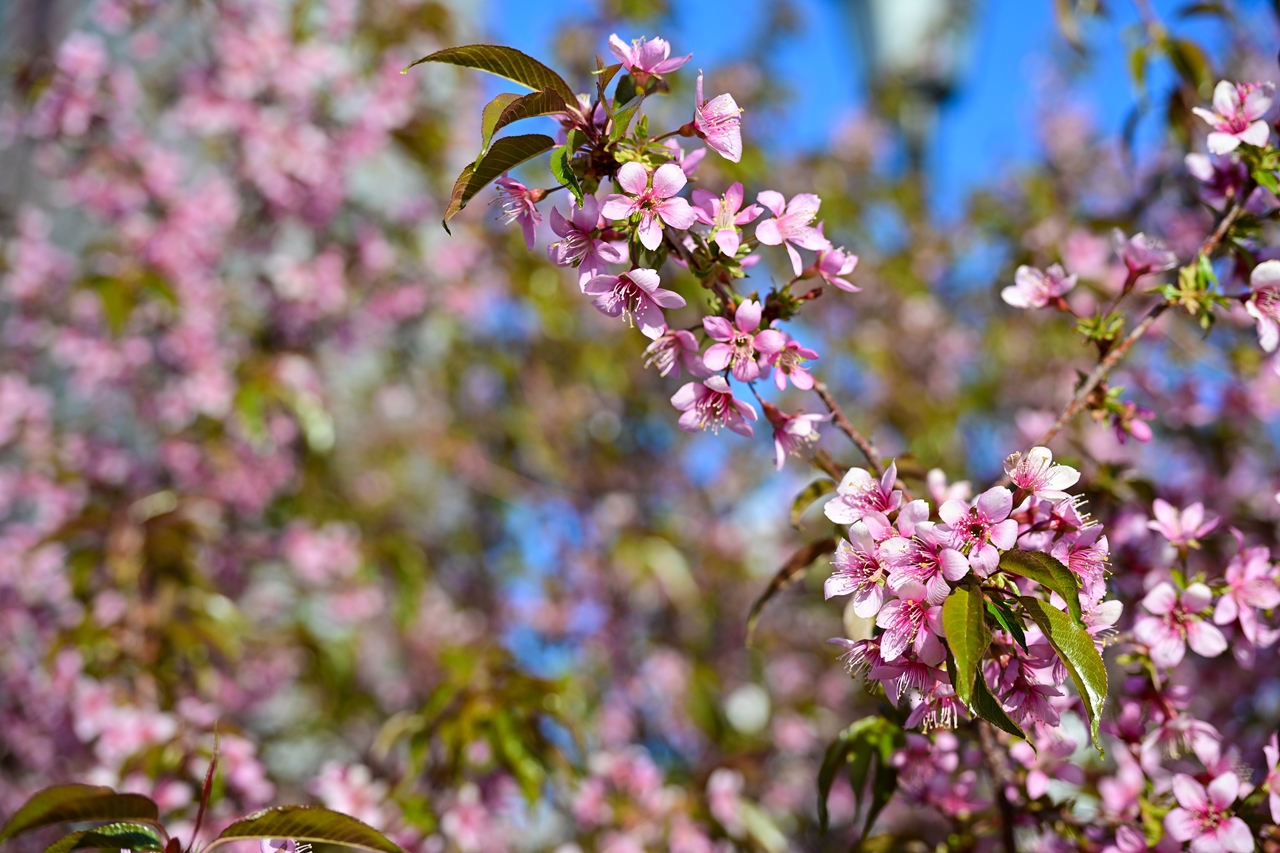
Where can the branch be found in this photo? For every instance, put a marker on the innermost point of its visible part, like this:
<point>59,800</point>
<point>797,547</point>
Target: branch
<point>1000,778</point>
<point>874,460</point>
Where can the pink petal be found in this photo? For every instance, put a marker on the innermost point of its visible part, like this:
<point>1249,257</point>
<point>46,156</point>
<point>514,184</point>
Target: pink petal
<point>676,212</point>
<point>796,264</point>
<point>1196,597</point>
<point>804,205</point>
<point>1226,98</point>
<point>617,207</point>
<point>600,284</point>
<point>667,181</point>
<point>770,341</point>
<point>1181,825</point>
<point>767,232</point>
<point>1205,640</point>
<point>728,241</point>
<point>718,356</point>
<point>774,201</point>
<point>995,504</point>
<point>747,317</point>
<point>1258,133</point>
<point>649,232</point>
<point>667,298</point>
<point>1162,599</point>
<point>954,512</point>
<point>1223,790</point>
<point>633,178</point>
<point>1222,143</point>
<point>1189,793</point>
<point>622,50</point>
<point>1234,836</point>
<point>718,328</point>
<point>687,396</point>
<point>867,602</point>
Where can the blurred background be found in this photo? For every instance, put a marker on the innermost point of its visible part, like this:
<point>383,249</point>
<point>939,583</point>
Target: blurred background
<point>412,522</point>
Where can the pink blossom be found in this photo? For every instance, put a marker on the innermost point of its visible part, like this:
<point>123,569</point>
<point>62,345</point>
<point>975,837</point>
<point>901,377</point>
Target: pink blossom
<point>860,656</point>
<point>1221,177</point>
<point>911,622</point>
<point>859,572</point>
<point>792,432</point>
<point>724,215</point>
<point>671,349</point>
<point>719,122</point>
<point>941,491</point>
<point>1038,474</point>
<point>1204,817</point>
<point>517,202</point>
<point>860,493</point>
<point>635,295</point>
<point>923,555</point>
<point>1263,304</point>
<point>651,203</point>
<point>1141,254</point>
<point>688,163</point>
<point>1237,114</point>
<point>579,246</point>
<point>1181,527</point>
<point>1035,289</point>
<point>983,530</point>
<point>788,363</point>
<point>1128,839</point>
<point>833,264</point>
<point>1272,782</point>
<point>1085,553</point>
<point>792,225</point>
<point>646,58</point>
<point>277,845</point>
<point>1251,586</point>
<point>737,342</point>
<point>938,707</point>
<point>711,405</point>
<point>1173,625</point>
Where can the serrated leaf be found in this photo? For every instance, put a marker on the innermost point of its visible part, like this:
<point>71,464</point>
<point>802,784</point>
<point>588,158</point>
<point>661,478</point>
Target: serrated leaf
<point>504,62</point>
<point>307,823</point>
<point>967,635</point>
<point>805,499</point>
<point>605,75</point>
<point>490,115</point>
<point>988,707</point>
<point>1008,620</point>
<point>63,803</point>
<point>562,169</point>
<point>1075,647</point>
<point>505,154</point>
<point>622,118</point>
<point>114,836</point>
<point>1049,573</point>
<point>545,103</point>
<point>791,570</point>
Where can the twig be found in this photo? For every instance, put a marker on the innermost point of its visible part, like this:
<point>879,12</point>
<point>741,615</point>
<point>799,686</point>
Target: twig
<point>874,461</point>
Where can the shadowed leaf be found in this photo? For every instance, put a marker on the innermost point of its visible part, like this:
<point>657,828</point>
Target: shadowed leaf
<point>988,708</point>
<point>307,823</point>
<point>504,62</point>
<point>505,154</point>
<point>1047,572</point>
<point>805,499</point>
<point>1075,646</point>
<point>544,103</point>
<point>791,571</point>
<point>114,836</point>
<point>78,803</point>
<point>963,618</point>
<point>490,115</point>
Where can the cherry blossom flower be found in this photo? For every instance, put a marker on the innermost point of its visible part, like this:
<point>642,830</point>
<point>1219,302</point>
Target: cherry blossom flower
<point>1263,303</point>
<point>1272,782</point>
<point>724,215</point>
<point>1141,254</point>
<point>860,656</point>
<point>1050,761</point>
<point>277,845</point>
<point>688,163</point>
<point>737,343</point>
<point>1035,289</point>
<point>711,405</point>
<point>1221,177</point>
<point>1251,586</point>
<point>1128,839</point>
<point>1085,553</point>
<point>983,530</point>
<point>792,225</point>
<point>635,295</point>
<point>517,202</point>
<point>941,491</point>
<point>1038,474</point>
<point>1173,625</point>
<point>792,432</point>
<point>719,122</point>
<point>1237,114</point>
<point>859,572</point>
<point>1204,817</point>
<point>644,59</point>
<point>652,203</point>
<point>788,363</point>
<point>832,265</point>
<point>910,622</point>
<point>939,707</point>
<point>673,348</point>
<point>923,554</point>
<point>860,493</point>
<point>578,246</point>
<point>1183,528</point>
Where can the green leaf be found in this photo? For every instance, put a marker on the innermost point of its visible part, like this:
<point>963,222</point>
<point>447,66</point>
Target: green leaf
<point>78,803</point>
<point>574,140</point>
<point>113,836</point>
<point>505,154</point>
<point>622,118</point>
<point>545,103</point>
<point>792,570</point>
<point>489,117</point>
<point>504,62</point>
<point>307,823</point>
<point>626,91</point>
<point>562,168</point>
<point>850,747</point>
<point>988,708</point>
<point>1267,179</point>
<point>1075,646</point>
<point>1191,63</point>
<point>1008,620</point>
<point>604,75</point>
<point>967,635</point>
<point>1049,573</point>
<point>805,499</point>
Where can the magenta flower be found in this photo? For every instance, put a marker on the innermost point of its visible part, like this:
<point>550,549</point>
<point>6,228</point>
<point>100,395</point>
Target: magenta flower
<point>1181,527</point>
<point>1036,473</point>
<point>909,621</point>
<point>982,531</point>
<point>1221,177</point>
<point>792,225</point>
<point>737,342</point>
<point>724,215</point>
<point>1085,553</point>
<point>579,245</point>
<point>1141,254</point>
<point>1251,586</point>
<point>1272,754</point>
<point>517,202</point>
<point>792,432</point>
<point>651,203</point>
<point>1173,625</point>
<point>1237,114</point>
<point>644,59</point>
<point>859,656</point>
<point>858,572</point>
<point>670,349</point>
<point>859,493</point>
<point>1035,289</point>
<point>925,558</point>
<point>788,362</point>
<point>636,296</point>
<point>719,122</point>
<point>833,265</point>
<point>711,405</point>
<point>1204,817</point>
<point>1263,304</point>
<point>688,163</point>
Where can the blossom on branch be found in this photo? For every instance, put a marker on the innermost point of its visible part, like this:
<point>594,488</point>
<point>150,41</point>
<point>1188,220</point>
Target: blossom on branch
<point>719,123</point>
<point>650,203</point>
<point>636,296</point>
<point>1237,114</point>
